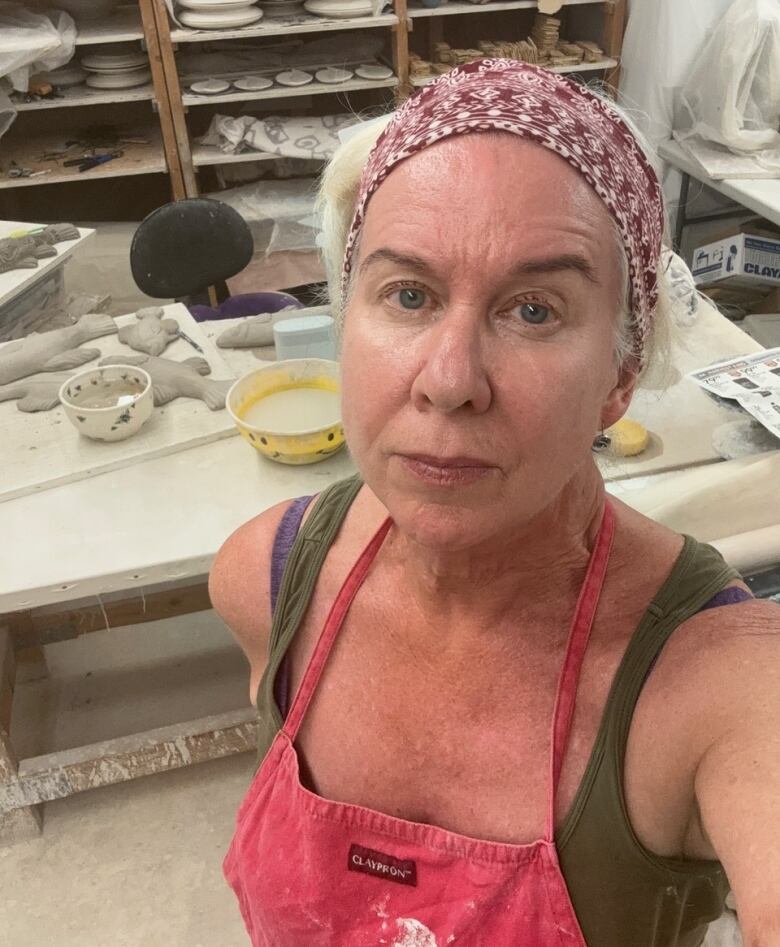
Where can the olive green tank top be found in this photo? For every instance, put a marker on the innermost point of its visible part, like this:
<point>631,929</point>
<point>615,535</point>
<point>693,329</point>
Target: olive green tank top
<point>623,895</point>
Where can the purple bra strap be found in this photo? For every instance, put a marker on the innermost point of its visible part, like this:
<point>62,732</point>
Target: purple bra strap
<point>283,543</point>
<point>731,596</point>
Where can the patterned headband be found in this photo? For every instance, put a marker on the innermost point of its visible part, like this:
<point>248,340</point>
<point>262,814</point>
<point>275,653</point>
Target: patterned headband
<point>564,116</point>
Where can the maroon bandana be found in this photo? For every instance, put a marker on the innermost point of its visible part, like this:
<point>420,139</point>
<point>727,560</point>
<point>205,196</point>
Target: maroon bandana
<point>564,116</point>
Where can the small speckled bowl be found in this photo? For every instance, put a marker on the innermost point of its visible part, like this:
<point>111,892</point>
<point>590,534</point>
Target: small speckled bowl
<point>299,445</point>
<point>108,404</point>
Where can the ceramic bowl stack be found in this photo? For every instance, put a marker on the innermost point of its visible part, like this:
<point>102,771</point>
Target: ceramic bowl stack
<point>340,9</point>
<point>218,14</point>
<point>116,67</point>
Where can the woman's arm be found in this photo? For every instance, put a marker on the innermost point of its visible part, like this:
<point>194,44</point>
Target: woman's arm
<point>240,587</point>
<point>738,779</point>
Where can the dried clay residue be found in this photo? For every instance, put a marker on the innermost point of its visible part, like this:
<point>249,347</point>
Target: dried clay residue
<point>411,933</point>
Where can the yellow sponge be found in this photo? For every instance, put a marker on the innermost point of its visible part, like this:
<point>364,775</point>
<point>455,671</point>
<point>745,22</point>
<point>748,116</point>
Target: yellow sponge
<point>628,438</point>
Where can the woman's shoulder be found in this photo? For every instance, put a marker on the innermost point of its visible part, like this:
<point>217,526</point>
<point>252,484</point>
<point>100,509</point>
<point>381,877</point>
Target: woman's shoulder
<point>239,581</point>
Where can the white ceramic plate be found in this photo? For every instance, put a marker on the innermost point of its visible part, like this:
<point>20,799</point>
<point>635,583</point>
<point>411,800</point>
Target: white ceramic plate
<point>115,70</point>
<point>210,86</point>
<point>332,75</point>
<point>252,83</point>
<point>103,61</point>
<point>339,9</point>
<point>213,6</point>
<point>124,80</point>
<point>373,71</point>
<point>294,77</point>
<point>240,16</point>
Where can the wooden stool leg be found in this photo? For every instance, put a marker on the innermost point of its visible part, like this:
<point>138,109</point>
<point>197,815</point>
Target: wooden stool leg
<point>15,824</point>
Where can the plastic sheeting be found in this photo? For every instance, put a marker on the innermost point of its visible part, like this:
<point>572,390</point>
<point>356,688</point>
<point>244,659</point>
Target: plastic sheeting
<point>662,40</point>
<point>280,214</point>
<point>33,42</point>
<point>732,95</point>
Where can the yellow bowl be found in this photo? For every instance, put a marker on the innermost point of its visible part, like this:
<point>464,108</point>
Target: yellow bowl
<point>288,444</point>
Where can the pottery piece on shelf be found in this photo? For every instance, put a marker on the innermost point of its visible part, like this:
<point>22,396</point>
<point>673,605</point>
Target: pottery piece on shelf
<point>39,393</point>
<point>108,404</point>
<point>228,19</point>
<point>294,77</point>
<point>100,62</point>
<point>53,351</point>
<point>372,70</point>
<point>209,86</point>
<point>339,9</point>
<point>178,379</point>
<point>122,80</point>
<point>152,333</point>
<point>252,83</point>
<point>214,6</point>
<point>333,75</point>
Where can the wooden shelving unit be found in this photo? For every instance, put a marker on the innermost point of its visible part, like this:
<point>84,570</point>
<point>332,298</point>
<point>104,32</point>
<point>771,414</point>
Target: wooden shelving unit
<point>282,26</point>
<point>172,118</point>
<point>44,126</point>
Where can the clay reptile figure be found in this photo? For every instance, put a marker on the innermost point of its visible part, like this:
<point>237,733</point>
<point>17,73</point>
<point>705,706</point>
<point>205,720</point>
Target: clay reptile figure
<point>53,351</point>
<point>177,379</point>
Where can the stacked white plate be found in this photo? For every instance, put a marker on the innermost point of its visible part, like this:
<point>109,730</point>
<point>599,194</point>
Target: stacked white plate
<point>116,68</point>
<point>339,9</point>
<point>218,14</point>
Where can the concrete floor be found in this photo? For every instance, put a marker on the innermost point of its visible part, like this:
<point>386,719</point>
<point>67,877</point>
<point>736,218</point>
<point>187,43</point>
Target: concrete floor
<point>138,864</point>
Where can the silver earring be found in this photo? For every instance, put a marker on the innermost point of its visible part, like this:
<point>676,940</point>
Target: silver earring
<point>601,442</point>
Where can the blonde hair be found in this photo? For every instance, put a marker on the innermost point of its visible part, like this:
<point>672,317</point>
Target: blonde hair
<point>338,194</point>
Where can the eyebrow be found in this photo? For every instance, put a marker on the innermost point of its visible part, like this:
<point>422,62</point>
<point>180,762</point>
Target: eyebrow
<point>553,264</point>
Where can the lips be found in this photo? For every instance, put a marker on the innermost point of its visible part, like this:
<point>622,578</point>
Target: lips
<point>445,471</point>
<point>447,463</point>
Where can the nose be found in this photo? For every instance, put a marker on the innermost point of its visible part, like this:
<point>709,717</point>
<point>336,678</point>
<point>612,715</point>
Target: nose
<point>453,374</point>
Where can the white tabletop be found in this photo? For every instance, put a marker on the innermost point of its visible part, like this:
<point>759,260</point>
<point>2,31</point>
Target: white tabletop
<point>165,519</point>
<point>17,281</point>
<point>761,195</point>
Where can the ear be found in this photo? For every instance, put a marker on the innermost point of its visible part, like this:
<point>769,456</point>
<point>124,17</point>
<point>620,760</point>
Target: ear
<point>619,398</point>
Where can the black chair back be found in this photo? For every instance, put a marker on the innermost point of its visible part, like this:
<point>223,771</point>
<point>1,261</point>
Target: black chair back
<point>185,246</point>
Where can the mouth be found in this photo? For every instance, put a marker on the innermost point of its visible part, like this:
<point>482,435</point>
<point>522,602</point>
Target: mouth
<point>446,471</point>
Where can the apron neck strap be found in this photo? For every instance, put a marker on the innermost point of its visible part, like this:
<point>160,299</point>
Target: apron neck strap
<point>579,636</point>
<point>333,624</point>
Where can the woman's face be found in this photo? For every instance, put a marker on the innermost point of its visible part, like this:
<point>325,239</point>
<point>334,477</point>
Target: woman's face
<point>480,335</point>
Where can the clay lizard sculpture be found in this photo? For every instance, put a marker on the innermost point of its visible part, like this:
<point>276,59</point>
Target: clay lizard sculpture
<point>177,379</point>
<point>256,331</point>
<point>151,333</point>
<point>40,393</point>
<point>53,351</point>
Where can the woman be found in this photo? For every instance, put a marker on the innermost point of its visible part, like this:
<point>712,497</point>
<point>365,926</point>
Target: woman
<point>463,741</point>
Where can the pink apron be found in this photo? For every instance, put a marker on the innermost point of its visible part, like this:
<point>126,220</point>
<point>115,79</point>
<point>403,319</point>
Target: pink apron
<point>309,872</point>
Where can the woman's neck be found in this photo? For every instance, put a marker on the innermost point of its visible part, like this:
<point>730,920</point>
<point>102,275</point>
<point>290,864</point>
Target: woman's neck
<point>529,566</point>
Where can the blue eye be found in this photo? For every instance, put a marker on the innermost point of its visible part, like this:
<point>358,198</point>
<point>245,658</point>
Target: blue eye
<point>411,298</point>
<point>535,313</point>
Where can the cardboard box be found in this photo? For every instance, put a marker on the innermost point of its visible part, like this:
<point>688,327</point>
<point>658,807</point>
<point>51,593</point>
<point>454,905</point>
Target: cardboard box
<point>742,260</point>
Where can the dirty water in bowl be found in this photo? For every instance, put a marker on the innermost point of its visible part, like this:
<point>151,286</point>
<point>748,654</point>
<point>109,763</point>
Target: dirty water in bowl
<point>298,409</point>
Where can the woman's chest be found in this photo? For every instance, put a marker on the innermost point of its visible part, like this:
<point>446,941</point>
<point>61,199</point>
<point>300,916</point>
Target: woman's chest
<point>460,741</point>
